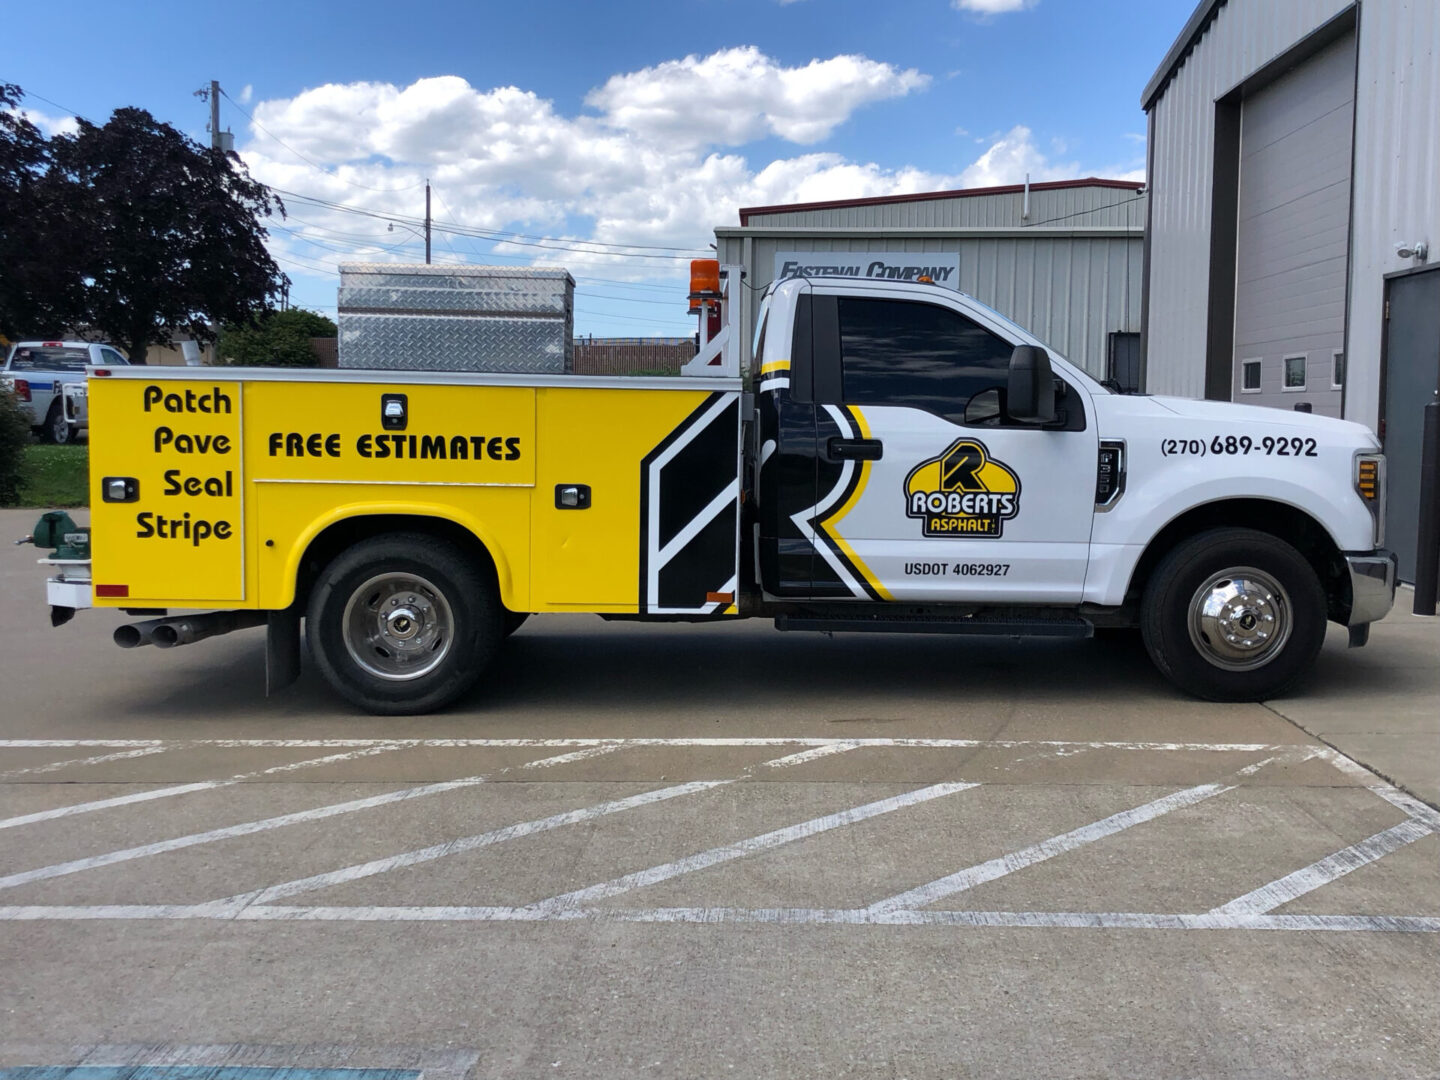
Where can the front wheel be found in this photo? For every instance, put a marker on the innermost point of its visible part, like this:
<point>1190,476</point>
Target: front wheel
<point>1234,615</point>
<point>403,623</point>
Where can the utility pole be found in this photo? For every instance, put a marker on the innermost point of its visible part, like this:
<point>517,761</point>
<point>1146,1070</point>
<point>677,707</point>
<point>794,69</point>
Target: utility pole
<point>215,114</point>
<point>427,221</point>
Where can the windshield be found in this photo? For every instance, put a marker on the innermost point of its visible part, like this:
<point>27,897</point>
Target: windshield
<point>50,358</point>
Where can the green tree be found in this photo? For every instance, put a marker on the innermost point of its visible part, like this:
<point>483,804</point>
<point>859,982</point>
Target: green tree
<point>279,339</point>
<point>41,238</point>
<point>14,437</point>
<point>175,240</point>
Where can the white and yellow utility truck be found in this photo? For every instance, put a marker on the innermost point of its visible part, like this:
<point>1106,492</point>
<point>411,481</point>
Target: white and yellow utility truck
<point>899,458</point>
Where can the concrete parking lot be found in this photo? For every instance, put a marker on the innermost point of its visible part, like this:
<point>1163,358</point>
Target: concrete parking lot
<point>715,851</point>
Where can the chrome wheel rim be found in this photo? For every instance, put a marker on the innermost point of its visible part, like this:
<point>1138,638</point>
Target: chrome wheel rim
<point>1240,618</point>
<point>398,626</point>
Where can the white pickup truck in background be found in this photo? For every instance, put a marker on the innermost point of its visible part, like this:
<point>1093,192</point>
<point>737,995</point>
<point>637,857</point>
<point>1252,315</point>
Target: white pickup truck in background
<point>48,380</point>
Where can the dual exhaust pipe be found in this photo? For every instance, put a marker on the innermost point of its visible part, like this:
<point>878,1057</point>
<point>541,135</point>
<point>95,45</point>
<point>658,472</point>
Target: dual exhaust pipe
<point>186,629</point>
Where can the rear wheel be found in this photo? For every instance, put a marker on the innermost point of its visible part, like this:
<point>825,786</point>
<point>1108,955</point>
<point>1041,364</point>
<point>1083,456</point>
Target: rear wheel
<point>1234,615</point>
<point>403,623</point>
<point>57,428</point>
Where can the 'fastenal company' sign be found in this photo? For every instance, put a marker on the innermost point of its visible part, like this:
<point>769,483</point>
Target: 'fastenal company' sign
<point>941,267</point>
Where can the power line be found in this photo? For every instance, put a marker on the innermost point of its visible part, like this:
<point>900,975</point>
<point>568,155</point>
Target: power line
<point>623,318</point>
<point>1082,213</point>
<point>585,247</point>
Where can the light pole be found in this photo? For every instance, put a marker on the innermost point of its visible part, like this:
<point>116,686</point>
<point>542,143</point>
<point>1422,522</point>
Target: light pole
<point>417,234</point>
<point>426,234</point>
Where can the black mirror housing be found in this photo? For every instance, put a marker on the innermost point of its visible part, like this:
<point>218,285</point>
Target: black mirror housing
<point>1030,396</point>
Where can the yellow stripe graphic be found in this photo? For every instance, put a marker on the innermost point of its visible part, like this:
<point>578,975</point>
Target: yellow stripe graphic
<point>774,366</point>
<point>838,515</point>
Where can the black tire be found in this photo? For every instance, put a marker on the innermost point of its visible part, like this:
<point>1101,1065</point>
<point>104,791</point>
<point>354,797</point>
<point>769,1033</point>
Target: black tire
<point>513,620</point>
<point>451,600</point>
<point>1203,663</point>
<point>56,429</point>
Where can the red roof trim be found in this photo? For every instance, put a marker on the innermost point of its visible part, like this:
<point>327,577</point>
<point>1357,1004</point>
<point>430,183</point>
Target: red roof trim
<point>925,196</point>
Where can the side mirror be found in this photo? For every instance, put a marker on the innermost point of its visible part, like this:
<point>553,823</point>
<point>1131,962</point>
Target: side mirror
<point>1030,397</point>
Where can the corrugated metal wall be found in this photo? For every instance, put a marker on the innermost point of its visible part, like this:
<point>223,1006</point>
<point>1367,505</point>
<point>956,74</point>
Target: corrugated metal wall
<point>1397,173</point>
<point>1070,290</point>
<point>1090,206</point>
<point>1397,162</point>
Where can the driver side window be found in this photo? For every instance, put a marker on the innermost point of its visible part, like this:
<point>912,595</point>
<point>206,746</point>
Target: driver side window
<point>922,356</point>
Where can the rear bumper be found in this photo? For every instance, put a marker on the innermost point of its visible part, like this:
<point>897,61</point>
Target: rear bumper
<point>1372,586</point>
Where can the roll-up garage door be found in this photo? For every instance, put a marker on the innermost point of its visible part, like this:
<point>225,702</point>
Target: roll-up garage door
<point>1293,234</point>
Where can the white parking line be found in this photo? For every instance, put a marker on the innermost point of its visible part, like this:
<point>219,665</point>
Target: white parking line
<point>469,843</point>
<point>1323,871</point>
<point>814,753</point>
<point>741,848</point>
<point>185,789</point>
<point>102,759</point>
<point>923,895</point>
<point>1072,920</point>
<point>512,832</point>
<point>697,741</point>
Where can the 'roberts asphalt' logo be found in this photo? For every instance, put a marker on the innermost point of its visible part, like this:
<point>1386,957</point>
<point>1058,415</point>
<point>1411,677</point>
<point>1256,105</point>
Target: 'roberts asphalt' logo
<point>962,492</point>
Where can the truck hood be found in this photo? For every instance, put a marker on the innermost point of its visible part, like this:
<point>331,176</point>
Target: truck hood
<point>1229,413</point>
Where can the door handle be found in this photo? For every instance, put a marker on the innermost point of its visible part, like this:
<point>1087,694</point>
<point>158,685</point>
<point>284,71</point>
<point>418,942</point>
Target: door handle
<point>854,449</point>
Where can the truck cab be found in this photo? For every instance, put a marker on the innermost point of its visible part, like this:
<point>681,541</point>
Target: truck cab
<point>922,463</point>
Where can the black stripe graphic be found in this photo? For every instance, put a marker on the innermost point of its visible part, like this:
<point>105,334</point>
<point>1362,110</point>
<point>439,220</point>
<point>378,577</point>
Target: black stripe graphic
<point>704,565</point>
<point>702,470</point>
<point>688,483</point>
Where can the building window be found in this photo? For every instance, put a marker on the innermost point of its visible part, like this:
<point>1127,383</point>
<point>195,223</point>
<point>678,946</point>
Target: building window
<point>1295,372</point>
<point>1337,369</point>
<point>1250,376</point>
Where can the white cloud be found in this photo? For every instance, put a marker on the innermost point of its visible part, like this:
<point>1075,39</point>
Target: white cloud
<point>658,158</point>
<point>246,94</point>
<point>737,95</point>
<point>49,125</point>
<point>992,7</point>
<point>1010,157</point>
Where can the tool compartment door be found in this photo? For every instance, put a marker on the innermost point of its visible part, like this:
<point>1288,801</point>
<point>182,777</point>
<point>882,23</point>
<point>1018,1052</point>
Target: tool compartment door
<point>659,532</point>
<point>175,536</point>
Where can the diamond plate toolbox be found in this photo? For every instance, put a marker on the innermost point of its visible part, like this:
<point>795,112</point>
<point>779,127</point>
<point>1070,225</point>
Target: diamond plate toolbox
<point>456,318</point>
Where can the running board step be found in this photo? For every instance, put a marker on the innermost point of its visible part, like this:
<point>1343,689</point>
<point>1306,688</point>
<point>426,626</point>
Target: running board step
<point>1058,626</point>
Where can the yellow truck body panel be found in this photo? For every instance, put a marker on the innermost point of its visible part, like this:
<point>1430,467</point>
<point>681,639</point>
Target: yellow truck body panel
<point>233,474</point>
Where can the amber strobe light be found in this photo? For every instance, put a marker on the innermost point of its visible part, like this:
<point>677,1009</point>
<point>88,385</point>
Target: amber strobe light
<point>1367,480</point>
<point>1370,486</point>
<point>704,280</point>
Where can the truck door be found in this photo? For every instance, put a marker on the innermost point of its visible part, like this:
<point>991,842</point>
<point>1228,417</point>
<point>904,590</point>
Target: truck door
<point>784,454</point>
<point>925,490</point>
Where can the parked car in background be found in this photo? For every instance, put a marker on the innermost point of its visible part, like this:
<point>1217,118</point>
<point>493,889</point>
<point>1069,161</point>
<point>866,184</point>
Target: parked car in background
<point>48,380</point>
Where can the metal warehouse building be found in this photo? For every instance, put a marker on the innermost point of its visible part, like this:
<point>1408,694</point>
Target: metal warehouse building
<point>1063,259</point>
<point>1294,169</point>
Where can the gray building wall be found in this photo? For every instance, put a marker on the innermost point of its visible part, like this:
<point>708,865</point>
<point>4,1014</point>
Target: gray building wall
<point>1099,204</point>
<point>1395,195</point>
<point>1068,281</point>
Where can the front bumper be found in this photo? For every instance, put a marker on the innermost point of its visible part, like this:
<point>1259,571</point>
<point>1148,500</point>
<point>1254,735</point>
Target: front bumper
<point>1372,586</point>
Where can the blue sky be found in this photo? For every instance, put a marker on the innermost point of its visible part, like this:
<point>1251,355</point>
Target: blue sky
<point>622,132</point>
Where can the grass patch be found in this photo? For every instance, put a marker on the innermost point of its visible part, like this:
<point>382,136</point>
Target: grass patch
<point>55,476</point>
